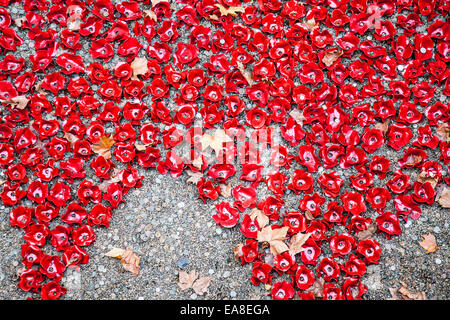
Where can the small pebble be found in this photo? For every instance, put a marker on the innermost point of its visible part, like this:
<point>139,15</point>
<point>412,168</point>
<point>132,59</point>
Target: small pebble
<point>183,262</point>
<point>233,294</point>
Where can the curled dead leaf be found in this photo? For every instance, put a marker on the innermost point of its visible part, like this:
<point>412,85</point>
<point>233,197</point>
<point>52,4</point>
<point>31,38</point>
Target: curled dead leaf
<point>317,288</point>
<point>428,243</point>
<point>423,177</point>
<point>150,14</point>
<point>140,147</point>
<point>230,11</point>
<point>406,294</point>
<point>71,138</point>
<point>311,24</point>
<point>103,147</point>
<point>382,126</point>
<point>260,216</point>
<point>443,132</point>
<point>298,116</point>
<point>368,233</point>
<point>19,21</point>
<point>130,261</point>
<point>238,251</point>
<point>225,190</point>
<point>139,67</point>
<point>194,177</point>
<point>19,102</point>
<point>330,57</point>
<point>245,73</point>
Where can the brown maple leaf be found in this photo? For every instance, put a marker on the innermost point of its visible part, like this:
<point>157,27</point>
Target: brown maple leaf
<point>186,280</point>
<point>201,285</point>
<point>189,280</point>
<point>428,243</point>
<point>330,57</point>
<point>274,237</point>
<point>297,241</point>
<point>103,147</point>
<point>444,199</point>
<point>130,261</point>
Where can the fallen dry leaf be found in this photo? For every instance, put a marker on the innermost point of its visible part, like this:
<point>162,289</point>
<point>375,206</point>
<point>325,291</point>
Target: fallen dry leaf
<point>311,24</point>
<point>215,141</point>
<point>443,132</point>
<point>225,190</point>
<point>194,177</point>
<point>103,147</point>
<point>428,243</point>
<point>330,57</point>
<point>155,2</point>
<point>140,147</point>
<point>19,21</point>
<point>383,126</point>
<point>317,288</point>
<point>406,294</point>
<point>186,280</point>
<point>130,261</point>
<point>139,66</point>
<point>230,11</point>
<point>274,238</point>
<point>298,116</point>
<point>200,286</point>
<point>423,177</point>
<point>71,138</point>
<point>368,233</point>
<point>245,73</point>
<point>297,241</point>
<point>260,216</point>
<point>444,199</point>
<point>189,280</point>
<point>149,13</point>
<point>19,102</point>
<point>238,251</point>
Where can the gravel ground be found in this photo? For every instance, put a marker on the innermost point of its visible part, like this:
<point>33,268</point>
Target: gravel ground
<point>169,229</point>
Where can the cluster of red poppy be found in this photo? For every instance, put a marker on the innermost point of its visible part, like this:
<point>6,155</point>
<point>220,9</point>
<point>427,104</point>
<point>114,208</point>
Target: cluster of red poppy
<point>295,64</point>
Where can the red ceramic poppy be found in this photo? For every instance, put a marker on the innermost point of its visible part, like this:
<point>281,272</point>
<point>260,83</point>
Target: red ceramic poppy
<point>226,216</point>
<point>249,228</point>
<point>389,224</point>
